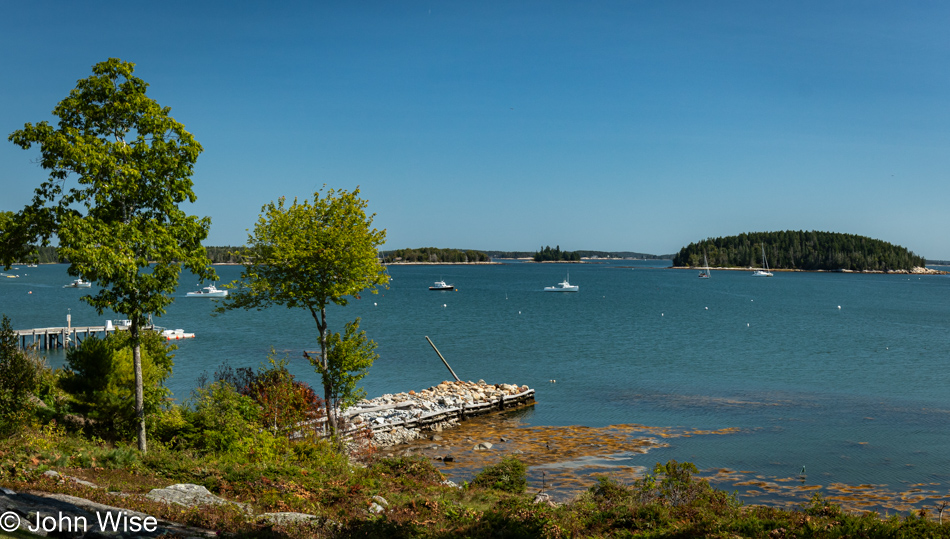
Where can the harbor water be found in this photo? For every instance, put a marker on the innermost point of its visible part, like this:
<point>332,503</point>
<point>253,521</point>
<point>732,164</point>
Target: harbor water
<point>774,387</point>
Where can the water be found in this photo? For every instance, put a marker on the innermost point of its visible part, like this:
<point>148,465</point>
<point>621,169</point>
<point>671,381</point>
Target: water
<point>843,374</point>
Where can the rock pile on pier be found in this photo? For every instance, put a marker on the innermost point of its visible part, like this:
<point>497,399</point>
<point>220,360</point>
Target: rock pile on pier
<point>389,414</point>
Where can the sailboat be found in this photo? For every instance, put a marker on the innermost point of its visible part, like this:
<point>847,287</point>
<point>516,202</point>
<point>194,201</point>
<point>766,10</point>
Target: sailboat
<point>705,273</point>
<point>763,272</point>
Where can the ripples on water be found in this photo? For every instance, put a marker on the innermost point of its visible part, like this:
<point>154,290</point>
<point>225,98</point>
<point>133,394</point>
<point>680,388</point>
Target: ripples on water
<point>856,394</point>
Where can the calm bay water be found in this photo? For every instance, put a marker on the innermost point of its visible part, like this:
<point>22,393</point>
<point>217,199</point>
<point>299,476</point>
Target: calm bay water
<point>843,374</point>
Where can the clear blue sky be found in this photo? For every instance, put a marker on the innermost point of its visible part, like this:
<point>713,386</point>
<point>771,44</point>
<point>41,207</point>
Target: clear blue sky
<point>626,125</point>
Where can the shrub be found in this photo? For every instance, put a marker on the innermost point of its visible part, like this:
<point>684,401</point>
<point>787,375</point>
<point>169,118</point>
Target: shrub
<point>18,379</point>
<point>99,375</point>
<point>219,418</point>
<point>509,475</point>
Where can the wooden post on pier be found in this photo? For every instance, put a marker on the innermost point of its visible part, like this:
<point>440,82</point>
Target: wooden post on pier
<point>443,359</point>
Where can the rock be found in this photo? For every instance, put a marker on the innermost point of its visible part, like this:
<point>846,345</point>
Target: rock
<point>376,509</point>
<point>380,500</point>
<point>448,458</point>
<point>543,498</point>
<point>285,518</point>
<point>484,446</point>
<point>190,495</point>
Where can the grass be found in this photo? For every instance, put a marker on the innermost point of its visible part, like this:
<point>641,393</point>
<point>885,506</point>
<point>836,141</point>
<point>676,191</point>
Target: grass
<point>312,478</point>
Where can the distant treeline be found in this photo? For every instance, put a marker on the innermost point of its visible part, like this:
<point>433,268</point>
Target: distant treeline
<point>218,255</point>
<point>225,255</point>
<point>556,255</point>
<point>433,254</point>
<point>584,254</point>
<point>800,250</point>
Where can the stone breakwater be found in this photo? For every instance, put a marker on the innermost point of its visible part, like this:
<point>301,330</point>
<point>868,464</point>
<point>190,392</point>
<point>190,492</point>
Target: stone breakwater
<point>401,417</point>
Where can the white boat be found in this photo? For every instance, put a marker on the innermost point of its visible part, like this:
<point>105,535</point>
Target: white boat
<point>209,291</point>
<point>176,334</point>
<point>763,272</point>
<point>78,283</point>
<point>440,285</point>
<point>563,286</point>
<point>705,273</point>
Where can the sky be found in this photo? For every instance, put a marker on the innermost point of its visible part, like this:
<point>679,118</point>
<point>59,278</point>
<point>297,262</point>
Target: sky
<point>509,125</point>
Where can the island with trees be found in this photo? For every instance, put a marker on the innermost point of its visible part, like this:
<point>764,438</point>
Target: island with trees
<point>434,255</point>
<point>798,250</point>
<point>556,255</point>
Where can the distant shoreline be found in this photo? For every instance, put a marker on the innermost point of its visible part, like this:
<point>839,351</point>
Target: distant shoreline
<point>440,263</point>
<point>915,271</point>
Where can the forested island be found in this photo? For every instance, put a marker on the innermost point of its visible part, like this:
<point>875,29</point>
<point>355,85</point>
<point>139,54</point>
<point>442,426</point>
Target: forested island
<point>434,255</point>
<point>798,250</point>
<point>547,254</point>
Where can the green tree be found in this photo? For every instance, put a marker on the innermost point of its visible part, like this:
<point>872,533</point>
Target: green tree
<point>121,225</point>
<point>308,256</point>
<point>350,356</point>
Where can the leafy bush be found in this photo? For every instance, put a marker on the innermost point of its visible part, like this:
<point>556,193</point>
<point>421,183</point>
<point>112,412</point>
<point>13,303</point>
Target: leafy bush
<point>219,418</point>
<point>18,379</point>
<point>284,402</point>
<point>509,475</point>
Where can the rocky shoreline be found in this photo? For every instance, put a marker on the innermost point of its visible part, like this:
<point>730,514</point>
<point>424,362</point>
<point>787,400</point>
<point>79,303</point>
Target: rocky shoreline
<point>402,417</point>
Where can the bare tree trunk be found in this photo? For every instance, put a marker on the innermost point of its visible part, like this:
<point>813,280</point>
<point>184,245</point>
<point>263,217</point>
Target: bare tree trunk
<point>139,385</point>
<point>325,365</point>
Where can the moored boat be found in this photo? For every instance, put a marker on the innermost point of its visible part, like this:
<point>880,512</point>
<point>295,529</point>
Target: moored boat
<point>563,286</point>
<point>440,285</point>
<point>209,291</point>
<point>78,283</point>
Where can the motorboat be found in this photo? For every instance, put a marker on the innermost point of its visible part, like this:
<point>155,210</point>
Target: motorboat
<point>78,283</point>
<point>563,286</point>
<point>209,291</point>
<point>176,334</point>
<point>440,285</point>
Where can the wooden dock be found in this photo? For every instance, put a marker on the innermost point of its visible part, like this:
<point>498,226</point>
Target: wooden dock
<point>59,337</point>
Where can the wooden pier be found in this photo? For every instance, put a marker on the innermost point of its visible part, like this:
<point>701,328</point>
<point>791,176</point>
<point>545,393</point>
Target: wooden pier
<point>60,337</point>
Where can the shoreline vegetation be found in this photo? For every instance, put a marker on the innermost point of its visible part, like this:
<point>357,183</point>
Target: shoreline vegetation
<point>917,270</point>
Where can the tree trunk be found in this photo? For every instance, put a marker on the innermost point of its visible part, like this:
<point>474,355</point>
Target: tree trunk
<point>139,385</point>
<point>325,365</point>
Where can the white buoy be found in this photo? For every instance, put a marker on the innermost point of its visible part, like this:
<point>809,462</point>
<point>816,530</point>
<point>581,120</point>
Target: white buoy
<point>661,314</point>
<point>444,305</point>
<point>839,307</point>
<point>374,304</point>
<point>747,324</point>
<point>707,308</point>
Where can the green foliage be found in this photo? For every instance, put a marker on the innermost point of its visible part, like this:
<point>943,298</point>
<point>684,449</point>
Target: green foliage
<point>801,250</point>
<point>121,226</point>
<point>434,255</point>
<point>284,402</point>
<point>348,360</point>
<point>509,475</point>
<point>18,379</point>
<point>219,419</point>
<point>308,256</point>
<point>99,375</point>
<point>556,255</point>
